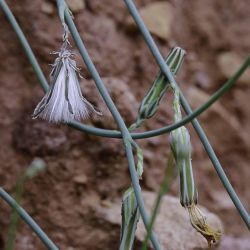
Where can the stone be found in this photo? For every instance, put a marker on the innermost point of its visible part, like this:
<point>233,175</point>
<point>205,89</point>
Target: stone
<point>172,224</point>
<point>158,18</point>
<point>80,179</point>
<point>198,97</point>
<point>76,5</point>
<point>47,8</point>
<point>229,63</point>
<point>122,96</point>
<point>34,138</point>
<point>232,243</point>
<point>241,98</point>
<point>215,120</point>
<point>202,79</point>
<point>222,200</point>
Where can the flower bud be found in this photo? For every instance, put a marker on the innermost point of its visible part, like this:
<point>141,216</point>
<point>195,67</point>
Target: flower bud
<point>130,218</point>
<point>181,148</point>
<point>152,99</point>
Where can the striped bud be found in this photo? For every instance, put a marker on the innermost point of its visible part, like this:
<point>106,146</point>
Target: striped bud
<point>181,148</point>
<point>152,99</point>
<point>130,218</point>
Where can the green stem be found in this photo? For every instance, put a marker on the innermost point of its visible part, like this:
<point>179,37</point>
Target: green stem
<point>25,45</point>
<point>25,216</point>
<point>221,91</point>
<point>168,177</point>
<point>14,216</point>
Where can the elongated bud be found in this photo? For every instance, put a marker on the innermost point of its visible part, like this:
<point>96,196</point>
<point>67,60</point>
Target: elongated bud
<point>130,218</point>
<point>139,155</point>
<point>130,209</point>
<point>152,99</point>
<point>182,150</point>
<point>64,101</point>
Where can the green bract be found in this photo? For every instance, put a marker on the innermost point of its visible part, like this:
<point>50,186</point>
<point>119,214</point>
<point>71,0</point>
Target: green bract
<point>152,99</point>
<point>181,148</point>
<point>130,218</point>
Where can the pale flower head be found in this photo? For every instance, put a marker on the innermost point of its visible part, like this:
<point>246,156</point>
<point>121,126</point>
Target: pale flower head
<point>64,101</point>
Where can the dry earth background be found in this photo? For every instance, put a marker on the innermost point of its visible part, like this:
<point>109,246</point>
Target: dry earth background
<point>85,172</point>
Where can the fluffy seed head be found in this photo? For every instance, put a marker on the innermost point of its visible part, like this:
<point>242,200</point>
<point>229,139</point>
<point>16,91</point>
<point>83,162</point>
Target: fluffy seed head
<point>64,101</point>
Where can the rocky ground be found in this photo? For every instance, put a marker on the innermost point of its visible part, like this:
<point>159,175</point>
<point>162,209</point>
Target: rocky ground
<point>86,174</point>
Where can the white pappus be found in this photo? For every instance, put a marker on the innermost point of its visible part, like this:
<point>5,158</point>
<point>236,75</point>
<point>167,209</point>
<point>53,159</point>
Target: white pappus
<point>64,101</point>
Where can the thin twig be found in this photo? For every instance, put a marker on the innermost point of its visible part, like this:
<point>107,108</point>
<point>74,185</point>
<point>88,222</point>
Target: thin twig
<point>170,173</point>
<point>25,216</point>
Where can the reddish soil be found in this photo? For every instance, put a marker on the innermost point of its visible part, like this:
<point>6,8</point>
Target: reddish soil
<point>65,208</point>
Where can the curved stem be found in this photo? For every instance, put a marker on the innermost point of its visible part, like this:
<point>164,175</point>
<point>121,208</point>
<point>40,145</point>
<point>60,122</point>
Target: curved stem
<point>165,69</point>
<point>25,45</point>
<point>169,128</point>
<point>14,216</point>
<point>25,216</point>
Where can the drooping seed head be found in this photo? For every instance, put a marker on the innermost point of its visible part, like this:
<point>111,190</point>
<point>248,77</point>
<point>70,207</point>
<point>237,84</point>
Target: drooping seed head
<point>64,101</point>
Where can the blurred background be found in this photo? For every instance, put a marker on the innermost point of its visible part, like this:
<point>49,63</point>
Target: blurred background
<point>87,174</point>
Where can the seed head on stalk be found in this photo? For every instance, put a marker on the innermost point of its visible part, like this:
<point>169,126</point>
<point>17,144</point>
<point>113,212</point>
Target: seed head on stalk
<point>64,101</point>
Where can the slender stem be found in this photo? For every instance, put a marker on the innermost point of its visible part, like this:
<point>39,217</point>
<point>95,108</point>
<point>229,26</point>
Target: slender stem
<point>25,45</point>
<point>32,224</point>
<point>169,128</point>
<point>165,70</point>
<point>168,178</point>
<point>14,216</point>
<point>115,113</point>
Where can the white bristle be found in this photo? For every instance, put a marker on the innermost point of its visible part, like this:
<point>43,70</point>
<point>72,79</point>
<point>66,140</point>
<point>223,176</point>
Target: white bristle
<point>64,101</point>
